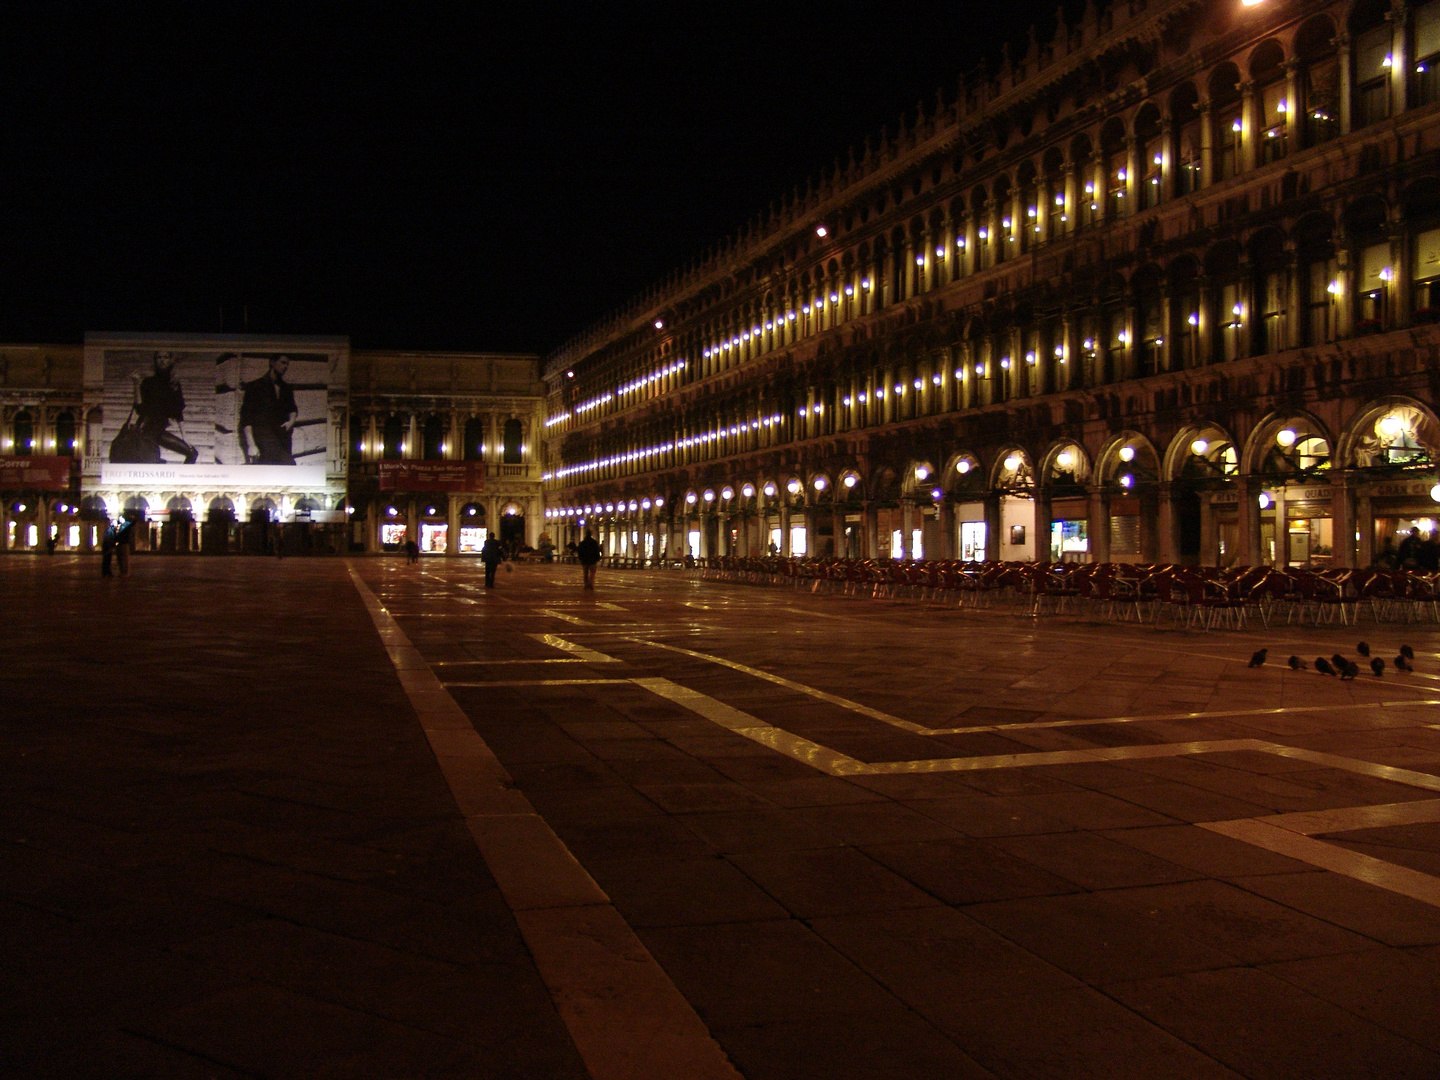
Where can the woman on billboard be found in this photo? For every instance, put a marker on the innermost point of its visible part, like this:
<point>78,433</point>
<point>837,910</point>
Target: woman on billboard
<point>159,399</point>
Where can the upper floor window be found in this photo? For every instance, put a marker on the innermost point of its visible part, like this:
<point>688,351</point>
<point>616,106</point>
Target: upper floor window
<point>393,444</point>
<point>434,438</point>
<point>1427,53</point>
<point>474,439</point>
<point>1274,110</point>
<point>65,435</point>
<point>1187,157</point>
<point>1227,142</point>
<point>24,434</point>
<point>1372,76</point>
<point>513,448</point>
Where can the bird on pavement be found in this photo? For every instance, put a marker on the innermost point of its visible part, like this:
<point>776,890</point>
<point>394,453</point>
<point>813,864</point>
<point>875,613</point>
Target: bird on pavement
<point>1377,666</point>
<point>1296,664</point>
<point>1258,658</point>
<point>1323,666</point>
<point>1339,662</point>
<point>1403,664</point>
<point>1349,670</point>
<point>1363,648</point>
<point>1407,652</point>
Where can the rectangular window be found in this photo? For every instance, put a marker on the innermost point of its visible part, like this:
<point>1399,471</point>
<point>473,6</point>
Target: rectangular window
<point>1227,144</point>
<point>1149,182</point>
<point>1374,280</point>
<point>1372,76</point>
<point>1319,302</point>
<point>1230,313</point>
<point>1427,53</point>
<point>1273,111</point>
<point>972,541</point>
<point>1427,272</point>
<point>1322,101</point>
<point>1187,159</point>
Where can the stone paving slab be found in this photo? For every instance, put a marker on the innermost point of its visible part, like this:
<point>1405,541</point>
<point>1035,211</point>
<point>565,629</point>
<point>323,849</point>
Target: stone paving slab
<point>242,855</point>
<point>225,846</point>
<point>1040,920</point>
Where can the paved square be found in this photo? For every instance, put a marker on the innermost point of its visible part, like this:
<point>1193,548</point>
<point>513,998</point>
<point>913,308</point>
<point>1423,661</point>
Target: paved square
<point>307,817</point>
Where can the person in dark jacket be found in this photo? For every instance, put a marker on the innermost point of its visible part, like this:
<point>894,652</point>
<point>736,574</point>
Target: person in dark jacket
<point>588,552</point>
<point>160,399</point>
<point>492,554</point>
<point>267,417</point>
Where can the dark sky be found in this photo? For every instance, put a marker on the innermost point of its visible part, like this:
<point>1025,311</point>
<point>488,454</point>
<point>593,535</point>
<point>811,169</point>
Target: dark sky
<point>417,176</point>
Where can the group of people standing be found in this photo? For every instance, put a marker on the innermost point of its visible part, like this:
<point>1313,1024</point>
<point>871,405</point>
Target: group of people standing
<point>587,552</point>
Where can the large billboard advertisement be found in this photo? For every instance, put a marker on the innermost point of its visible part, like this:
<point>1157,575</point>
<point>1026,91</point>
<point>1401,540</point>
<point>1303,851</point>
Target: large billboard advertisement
<point>210,417</point>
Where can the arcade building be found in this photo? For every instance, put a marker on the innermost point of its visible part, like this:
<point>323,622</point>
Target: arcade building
<point>440,448</point>
<point>1164,287</point>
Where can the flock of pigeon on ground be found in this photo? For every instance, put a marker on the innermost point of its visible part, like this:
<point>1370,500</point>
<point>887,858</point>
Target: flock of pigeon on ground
<point>1341,665</point>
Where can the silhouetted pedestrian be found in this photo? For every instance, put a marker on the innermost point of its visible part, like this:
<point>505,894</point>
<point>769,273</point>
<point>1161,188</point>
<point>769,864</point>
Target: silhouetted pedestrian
<point>588,552</point>
<point>492,554</point>
<point>412,552</point>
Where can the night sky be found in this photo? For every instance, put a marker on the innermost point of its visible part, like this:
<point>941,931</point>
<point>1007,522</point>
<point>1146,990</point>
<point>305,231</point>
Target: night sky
<point>416,176</point>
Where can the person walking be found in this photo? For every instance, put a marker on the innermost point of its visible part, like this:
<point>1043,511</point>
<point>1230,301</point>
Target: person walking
<point>412,552</point>
<point>492,554</point>
<point>588,552</point>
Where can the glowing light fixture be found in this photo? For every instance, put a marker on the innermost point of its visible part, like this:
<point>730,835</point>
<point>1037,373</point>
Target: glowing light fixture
<point>1265,500</point>
<point>1127,453</point>
<point>1285,437</point>
<point>1012,463</point>
<point>793,487</point>
<point>1198,447</point>
<point>962,466</point>
<point>921,472</point>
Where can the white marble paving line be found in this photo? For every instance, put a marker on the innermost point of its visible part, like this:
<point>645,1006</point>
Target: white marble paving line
<point>918,729</point>
<point>626,1017</point>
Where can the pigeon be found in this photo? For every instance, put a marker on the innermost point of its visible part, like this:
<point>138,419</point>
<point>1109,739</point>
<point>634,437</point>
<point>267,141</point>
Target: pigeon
<point>1323,666</point>
<point>1363,648</point>
<point>1377,666</point>
<point>1259,657</point>
<point>1407,652</point>
<point>1296,664</point>
<point>1350,670</point>
<point>1401,664</point>
<point>1339,662</point>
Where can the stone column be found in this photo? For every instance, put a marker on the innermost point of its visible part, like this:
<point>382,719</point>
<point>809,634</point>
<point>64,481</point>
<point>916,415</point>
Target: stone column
<point>1134,176</point>
<point>1365,528</point>
<point>785,529</point>
<point>992,526</point>
<point>1282,530</point>
<point>1072,198</point>
<point>1097,525</point>
<point>1342,519</point>
<point>1247,521</point>
<point>1205,332</point>
<point>1042,524</point>
<point>1250,125</point>
<point>1399,58</point>
<point>1347,80</point>
<point>1209,532</point>
<point>907,528</point>
<point>1207,144</point>
<point>837,527</point>
<point>1167,524</point>
<point>1167,158</point>
<point>945,528</point>
<point>1149,523</point>
<point>1294,112</point>
<point>452,526</point>
<point>870,518</point>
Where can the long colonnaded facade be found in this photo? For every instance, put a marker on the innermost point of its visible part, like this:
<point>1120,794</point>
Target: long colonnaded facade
<point>384,447</point>
<point>1165,288</point>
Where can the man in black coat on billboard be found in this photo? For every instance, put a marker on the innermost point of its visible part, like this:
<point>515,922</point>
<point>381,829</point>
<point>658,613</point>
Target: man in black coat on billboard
<point>267,417</point>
